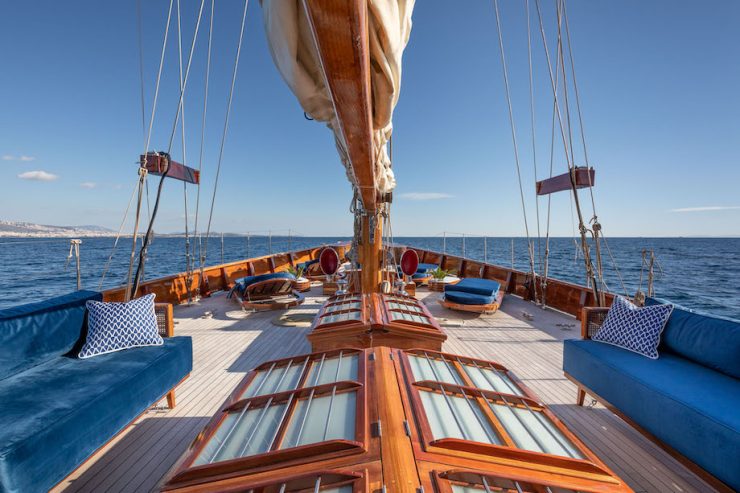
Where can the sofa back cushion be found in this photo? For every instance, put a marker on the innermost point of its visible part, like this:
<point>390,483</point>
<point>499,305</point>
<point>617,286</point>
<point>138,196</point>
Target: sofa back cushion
<point>711,341</point>
<point>34,333</point>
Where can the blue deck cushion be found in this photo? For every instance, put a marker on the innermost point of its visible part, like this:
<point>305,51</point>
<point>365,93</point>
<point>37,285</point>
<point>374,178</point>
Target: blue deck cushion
<point>37,332</point>
<point>690,407</point>
<point>117,326</point>
<point>468,298</point>
<point>425,268</point>
<point>57,414</point>
<point>483,287</point>
<point>708,340</point>
<point>634,328</point>
<point>240,285</point>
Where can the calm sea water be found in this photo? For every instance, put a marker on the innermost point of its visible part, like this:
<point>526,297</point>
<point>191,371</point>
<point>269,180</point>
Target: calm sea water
<point>701,273</point>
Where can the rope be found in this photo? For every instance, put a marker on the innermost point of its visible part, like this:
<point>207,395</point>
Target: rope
<point>147,238</point>
<point>118,237</point>
<point>513,138</point>
<point>203,137</point>
<point>142,176</point>
<point>188,263</point>
<point>584,244</point>
<point>140,29</point>
<point>534,132</point>
<point>223,137</point>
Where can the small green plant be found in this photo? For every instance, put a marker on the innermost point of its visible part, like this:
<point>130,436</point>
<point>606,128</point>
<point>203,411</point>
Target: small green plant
<point>439,273</point>
<point>296,271</point>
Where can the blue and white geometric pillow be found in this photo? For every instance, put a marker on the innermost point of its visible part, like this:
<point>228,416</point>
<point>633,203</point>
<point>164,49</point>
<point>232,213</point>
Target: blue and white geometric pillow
<point>116,326</point>
<point>634,328</point>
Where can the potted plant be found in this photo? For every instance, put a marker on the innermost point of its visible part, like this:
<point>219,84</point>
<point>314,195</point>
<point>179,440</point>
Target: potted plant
<point>440,277</point>
<point>300,283</point>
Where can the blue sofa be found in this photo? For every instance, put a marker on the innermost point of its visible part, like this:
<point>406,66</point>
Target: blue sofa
<point>56,410</point>
<point>688,399</point>
<point>473,291</point>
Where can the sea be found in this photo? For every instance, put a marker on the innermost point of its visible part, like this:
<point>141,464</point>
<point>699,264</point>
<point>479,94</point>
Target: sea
<point>699,273</point>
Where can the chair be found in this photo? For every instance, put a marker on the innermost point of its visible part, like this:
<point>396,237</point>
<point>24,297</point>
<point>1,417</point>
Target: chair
<point>473,295</point>
<point>267,291</point>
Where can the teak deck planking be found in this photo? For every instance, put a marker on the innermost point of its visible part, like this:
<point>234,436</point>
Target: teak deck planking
<point>230,343</point>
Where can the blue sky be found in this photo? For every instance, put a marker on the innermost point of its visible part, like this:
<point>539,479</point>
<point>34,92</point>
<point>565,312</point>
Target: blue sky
<point>659,86</point>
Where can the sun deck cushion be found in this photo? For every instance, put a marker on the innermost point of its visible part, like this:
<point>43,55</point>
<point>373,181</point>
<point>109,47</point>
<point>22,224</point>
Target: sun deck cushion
<point>634,328</point>
<point>57,414</point>
<point>37,332</point>
<point>483,287</point>
<point>708,340</point>
<point>468,298</point>
<point>690,407</point>
<point>117,326</point>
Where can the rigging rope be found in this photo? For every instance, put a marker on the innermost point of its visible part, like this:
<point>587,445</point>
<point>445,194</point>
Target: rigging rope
<point>142,175</point>
<point>516,147</point>
<point>223,138</point>
<point>534,133</point>
<point>598,296</point>
<point>203,138</point>
<point>148,236</point>
<point>118,237</point>
<point>188,258</point>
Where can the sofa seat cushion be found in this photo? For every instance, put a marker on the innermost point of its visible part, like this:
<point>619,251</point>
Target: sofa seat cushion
<point>57,414</point>
<point>692,408</point>
<point>483,287</point>
<point>468,298</point>
<point>708,340</point>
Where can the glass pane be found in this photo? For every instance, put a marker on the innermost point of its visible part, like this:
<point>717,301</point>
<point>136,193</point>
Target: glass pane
<point>404,306</point>
<point>312,428</point>
<point>489,379</point>
<point>458,419</point>
<point>532,430</point>
<point>252,435</point>
<point>278,380</point>
<point>408,317</point>
<point>434,370</point>
<point>347,370</point>
<point>341,489</point>
<point>340,317</point>
<point>343,306</point>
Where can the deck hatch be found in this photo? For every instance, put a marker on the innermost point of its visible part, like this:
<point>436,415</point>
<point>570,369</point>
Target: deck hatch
<point>469,482</point>
<point>471,400</point>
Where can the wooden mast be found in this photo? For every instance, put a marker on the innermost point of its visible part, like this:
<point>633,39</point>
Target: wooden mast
<point>340,28</point>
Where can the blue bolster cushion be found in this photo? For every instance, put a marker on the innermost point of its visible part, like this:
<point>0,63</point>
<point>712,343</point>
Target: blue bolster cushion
<point>483,287</point>
<point>705,339</point>
<point>468,298</point>
<point>424,268</point>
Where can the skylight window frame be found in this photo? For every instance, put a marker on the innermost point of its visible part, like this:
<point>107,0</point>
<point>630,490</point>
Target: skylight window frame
<point>278,457</point>
<point>426,444</point>
<point>444,481</point>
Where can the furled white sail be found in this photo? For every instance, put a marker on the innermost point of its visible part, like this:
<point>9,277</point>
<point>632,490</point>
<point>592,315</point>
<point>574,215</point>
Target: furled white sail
<point>294,52</point>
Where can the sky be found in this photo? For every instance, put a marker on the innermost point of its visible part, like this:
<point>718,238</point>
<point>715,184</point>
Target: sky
<point>658,83</point>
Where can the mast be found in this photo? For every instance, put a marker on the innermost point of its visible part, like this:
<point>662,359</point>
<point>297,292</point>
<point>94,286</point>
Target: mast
<point>340,31</point>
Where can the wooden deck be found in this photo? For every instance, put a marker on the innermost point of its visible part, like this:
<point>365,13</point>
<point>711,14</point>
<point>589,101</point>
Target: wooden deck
<point>228,342</point>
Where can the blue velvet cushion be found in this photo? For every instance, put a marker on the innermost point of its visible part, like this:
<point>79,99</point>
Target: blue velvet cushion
<point>34,333</point>
<point>57,414</point>
<point>483,287</point>
<point>634,328</point>
<point>692,408</point>
<point>708,340</point>
<point>468,298</point>
<point>117,326</point>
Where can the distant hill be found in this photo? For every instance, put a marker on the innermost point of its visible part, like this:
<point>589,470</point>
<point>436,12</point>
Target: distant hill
<point>23,229</point>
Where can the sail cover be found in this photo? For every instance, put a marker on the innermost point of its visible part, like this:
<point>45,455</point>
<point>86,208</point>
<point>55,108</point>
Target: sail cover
<point>294,52</point>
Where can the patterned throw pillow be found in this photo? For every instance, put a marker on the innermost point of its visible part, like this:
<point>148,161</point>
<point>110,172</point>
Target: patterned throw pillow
<point>116,326</point>
<point>634,328</point>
